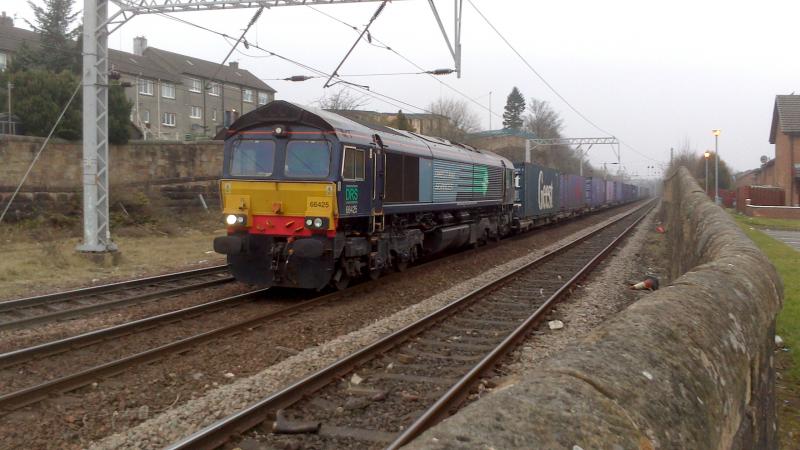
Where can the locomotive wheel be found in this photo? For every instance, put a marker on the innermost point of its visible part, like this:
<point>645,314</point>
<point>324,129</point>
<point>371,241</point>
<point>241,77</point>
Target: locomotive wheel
<point>401,266</point>
<point>341,280</point>
<point>374,274</point>
<point>342,283</point>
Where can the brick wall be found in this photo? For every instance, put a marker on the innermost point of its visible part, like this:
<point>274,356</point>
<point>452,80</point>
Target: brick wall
<point>773,212</point>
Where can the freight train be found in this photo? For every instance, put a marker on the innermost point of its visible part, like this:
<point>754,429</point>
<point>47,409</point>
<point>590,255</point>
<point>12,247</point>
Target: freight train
<point>313,199</point>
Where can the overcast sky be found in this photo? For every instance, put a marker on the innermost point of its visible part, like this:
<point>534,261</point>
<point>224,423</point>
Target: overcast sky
<point>656,75</point>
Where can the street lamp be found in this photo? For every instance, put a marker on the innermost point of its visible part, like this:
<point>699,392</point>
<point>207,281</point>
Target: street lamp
<point>716,166</point>
<point>707,154</point>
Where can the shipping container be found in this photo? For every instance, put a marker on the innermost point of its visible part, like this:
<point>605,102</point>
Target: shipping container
<point>609,193</point>
<point>595,192</point>
<point>536,190</point>
<point>760,196</point>
<point>617,192</point>
<point>572,196</point>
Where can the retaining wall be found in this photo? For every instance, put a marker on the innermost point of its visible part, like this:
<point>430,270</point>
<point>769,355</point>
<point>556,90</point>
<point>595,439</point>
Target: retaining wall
<point>178,171</point>
<point>687,367</point>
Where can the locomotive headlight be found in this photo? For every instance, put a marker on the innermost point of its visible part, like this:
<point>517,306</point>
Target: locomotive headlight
<point>309,222</point>
<point>317,223</point>
<point>235,219</point>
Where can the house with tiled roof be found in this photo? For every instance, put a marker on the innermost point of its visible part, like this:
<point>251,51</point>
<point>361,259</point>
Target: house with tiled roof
<point>785,134</point>
<point>174,96</point>
<point>190,97</point>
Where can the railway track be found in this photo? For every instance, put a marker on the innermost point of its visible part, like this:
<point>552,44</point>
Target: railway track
<point>388,393</point>
<point>19,313</point>
<point>33,393</point>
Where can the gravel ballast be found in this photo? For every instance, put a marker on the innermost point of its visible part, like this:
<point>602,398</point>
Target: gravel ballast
<point>187,418</point>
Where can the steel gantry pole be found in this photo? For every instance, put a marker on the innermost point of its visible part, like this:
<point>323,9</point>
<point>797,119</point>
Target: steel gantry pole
<point>96,229</point>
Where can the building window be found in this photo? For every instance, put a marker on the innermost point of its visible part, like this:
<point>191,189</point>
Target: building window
<point>168,90</point>
<point>247,95</point>
<point>213,115</point>
<point>214,89</point>
<point>146,116</point>
<point>168,119</point>
<point>195,112</point>
<point>3,61</point>
<point>195,85</point>
<point>145,86</point>
<point>262,98</point>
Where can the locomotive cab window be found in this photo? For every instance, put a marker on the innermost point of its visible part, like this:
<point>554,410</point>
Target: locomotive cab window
<point>251,157</point>
<point>353,164</point>
<point>307,159</point>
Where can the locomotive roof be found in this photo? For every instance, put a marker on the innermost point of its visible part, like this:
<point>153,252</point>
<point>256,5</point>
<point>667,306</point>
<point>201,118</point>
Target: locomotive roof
<point>353,132</point>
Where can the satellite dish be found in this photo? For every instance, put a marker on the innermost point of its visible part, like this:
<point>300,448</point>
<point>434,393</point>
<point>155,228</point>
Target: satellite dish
<point>764,159</point>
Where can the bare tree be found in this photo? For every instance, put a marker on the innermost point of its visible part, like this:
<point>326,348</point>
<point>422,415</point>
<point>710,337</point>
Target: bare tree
<point>342,100</point>
<point>542,120</point>
<point>545,123</point>
<point>462,119</point>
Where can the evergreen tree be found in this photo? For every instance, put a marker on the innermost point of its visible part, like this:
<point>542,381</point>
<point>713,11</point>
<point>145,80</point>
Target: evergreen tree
<point>46,73</point>
<point>402,122</point>
<point>58,47</point>
<point>119,113</point>
<point>515,106</point>
<point>38,98</point>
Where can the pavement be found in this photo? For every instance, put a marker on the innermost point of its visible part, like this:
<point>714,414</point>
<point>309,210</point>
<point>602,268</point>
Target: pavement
<point>789,237</point>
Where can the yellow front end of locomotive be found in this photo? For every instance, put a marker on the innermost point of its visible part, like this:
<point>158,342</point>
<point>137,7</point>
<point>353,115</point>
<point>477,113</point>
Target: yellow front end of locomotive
<point>279,207</point>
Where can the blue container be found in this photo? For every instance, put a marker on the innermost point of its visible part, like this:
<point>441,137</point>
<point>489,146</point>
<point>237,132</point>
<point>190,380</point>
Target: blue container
<point>572,194</point>
<point>595,192</point>
<point>536,190</point>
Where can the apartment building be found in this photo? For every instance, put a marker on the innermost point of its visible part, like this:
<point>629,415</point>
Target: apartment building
<point>174,96</point>
<point>182,97</point>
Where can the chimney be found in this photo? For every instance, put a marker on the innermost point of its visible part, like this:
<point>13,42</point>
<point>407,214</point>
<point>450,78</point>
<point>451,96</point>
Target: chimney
<point>139,44</point>
<point>234,64</point>
<point>6,21</point>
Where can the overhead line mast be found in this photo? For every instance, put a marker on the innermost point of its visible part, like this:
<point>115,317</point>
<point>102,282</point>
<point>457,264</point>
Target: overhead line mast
<point>97,25</point>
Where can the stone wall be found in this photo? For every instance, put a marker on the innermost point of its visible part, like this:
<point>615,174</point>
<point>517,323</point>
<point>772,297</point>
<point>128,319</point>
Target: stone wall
<point>180,171</point>
<point>689,366</point>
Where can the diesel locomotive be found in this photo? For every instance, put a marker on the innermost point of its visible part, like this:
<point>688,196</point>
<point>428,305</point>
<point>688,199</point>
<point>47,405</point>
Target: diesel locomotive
<point>312,198</point>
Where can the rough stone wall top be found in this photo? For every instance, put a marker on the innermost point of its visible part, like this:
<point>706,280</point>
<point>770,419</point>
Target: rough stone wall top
<point>688,367</point>
<point>138,162</point>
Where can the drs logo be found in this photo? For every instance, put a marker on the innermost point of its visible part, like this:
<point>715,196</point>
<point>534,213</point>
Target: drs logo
<point>351,194</point>
<point>351,199</point>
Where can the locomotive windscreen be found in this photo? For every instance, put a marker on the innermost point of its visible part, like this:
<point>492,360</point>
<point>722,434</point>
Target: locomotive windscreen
<point>251,157</point>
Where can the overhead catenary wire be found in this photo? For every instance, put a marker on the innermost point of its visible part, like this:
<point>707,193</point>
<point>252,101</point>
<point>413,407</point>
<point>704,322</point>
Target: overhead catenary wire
<point>550,86</point>
<point>353,47</point>
<point>371,93</point>
<point>247,28</point>
<point>39,153</point>
<point>380,44</point>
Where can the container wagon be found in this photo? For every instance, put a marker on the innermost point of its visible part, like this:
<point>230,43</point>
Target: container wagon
<point>536,195</point>
<point>572,194</point>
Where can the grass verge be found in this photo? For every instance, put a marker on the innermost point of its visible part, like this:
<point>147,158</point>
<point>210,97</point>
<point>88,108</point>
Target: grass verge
<point>787,261</point>
<point>765,222</point>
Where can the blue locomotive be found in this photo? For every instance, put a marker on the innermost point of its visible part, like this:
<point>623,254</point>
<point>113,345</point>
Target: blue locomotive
<point>312,198</point>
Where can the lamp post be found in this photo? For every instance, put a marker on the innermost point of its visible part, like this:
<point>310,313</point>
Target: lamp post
<point>707,154</point>
<point>716,166</point>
